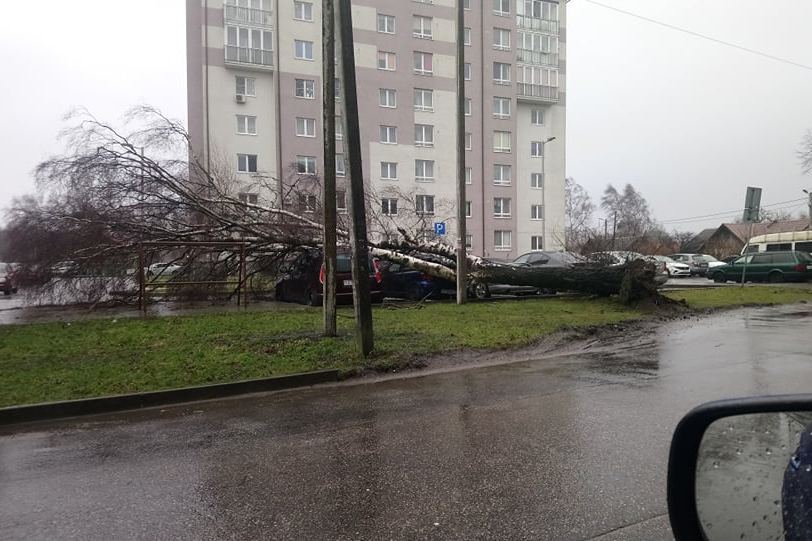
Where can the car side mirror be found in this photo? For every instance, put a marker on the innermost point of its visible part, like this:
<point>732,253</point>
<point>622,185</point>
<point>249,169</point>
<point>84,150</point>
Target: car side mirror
<point>742,469</point>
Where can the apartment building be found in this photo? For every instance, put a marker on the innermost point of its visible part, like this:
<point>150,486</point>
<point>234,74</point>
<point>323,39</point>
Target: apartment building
<point>254,84</point>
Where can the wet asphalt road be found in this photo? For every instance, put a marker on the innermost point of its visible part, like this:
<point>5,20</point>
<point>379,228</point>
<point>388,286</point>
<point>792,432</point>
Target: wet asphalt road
<point>563,447</point>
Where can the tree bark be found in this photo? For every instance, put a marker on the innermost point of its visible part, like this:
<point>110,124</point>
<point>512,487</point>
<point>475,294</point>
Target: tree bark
<point>329,184</point>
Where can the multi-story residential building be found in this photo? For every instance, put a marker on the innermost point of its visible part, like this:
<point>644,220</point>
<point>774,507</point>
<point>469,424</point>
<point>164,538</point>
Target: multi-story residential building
<point>254,83</point>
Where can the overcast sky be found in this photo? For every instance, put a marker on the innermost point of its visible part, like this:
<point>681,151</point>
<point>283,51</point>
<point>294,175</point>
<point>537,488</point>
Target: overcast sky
<point>688,122</point>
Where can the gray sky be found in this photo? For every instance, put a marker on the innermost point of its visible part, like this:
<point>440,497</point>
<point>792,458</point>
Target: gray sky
<point>690,123</point>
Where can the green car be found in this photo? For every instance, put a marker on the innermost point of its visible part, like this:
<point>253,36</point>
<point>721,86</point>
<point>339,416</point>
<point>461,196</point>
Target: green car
<point>766,267</point>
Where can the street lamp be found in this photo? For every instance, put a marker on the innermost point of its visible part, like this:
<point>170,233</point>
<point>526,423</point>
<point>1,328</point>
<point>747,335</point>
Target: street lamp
<point>544,193</point>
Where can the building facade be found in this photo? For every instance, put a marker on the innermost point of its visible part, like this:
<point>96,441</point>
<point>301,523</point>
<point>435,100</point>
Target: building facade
<point>254,84</point>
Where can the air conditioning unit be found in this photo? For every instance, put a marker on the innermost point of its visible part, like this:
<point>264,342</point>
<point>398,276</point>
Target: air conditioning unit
<point>240,98</point>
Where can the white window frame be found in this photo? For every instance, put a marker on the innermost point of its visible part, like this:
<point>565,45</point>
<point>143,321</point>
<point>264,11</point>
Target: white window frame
<point>249,86</point>
<point>387,204</point>
<point>388,134</point>
<point>469,240</point>
<point>249,198</point>
<point>307,86</point>
<point>469,141</point>
<point>536,243</point>
<point>423,29</point>
<point>499,7</point>
<point>386,20</point>
<point>423,92</point>
<point>501,141</point>
<point>499,111</point>
<point>341,200</point>
<point>504,69</point>
<point>536,149</point>
<point>423,135</point>
<point>301,9</point>
<point>308,202</point>
<point>306,165</point>
<point>467,106</point>
<point>502,235</point>
<point>537,181</point>
<point>422,202</point>
<point>468,209</point>
<point>501,44</point>
<point>469,173</point>
<point>537,212</point>
<point>244,163</point>
<point>305,127</point>
<point>504,177</point>
<point>466,36</point>
<point>339,128</point>
<point>341,170</point>
<point>306,46</point>
<point>423,170</point>
<point>537,117</point>
<point>422,56</point>
<point>388,97</point>
<point>389,59</point>
<point>246,125</point>
<point>466,4</point>
<point>388,168</point>
<point>466,71</point>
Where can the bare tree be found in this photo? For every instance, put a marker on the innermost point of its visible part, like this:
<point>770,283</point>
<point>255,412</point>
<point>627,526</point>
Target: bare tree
<point>805,153</point>
<point>579,210</point>
<point>628,211</point>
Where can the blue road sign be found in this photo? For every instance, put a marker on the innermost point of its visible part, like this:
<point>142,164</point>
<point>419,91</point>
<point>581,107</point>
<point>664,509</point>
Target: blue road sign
<point>439,228</point>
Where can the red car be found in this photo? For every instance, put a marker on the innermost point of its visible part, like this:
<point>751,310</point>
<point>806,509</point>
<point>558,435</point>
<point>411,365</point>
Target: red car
<point>304,278</point>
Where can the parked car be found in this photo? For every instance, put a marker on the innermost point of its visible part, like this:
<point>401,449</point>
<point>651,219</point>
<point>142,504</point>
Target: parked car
<point>787,266</point>
<point>616,258</point>
<point>402,281</point>
<point>163,269</point>
<point>303,279</point>
<point>8,283</point>
<point>546,259</point>
<point>482,290</point>
<point>674,269</point>
<point>699,263</point>
<point>712,261</point>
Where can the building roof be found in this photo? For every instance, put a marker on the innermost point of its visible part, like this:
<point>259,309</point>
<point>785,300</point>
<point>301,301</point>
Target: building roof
<point>696,244</point>
<point>742,231</point>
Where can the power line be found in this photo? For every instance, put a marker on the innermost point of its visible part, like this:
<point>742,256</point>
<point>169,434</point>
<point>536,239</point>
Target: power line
<point>705,217</point>
<point>703,36</point>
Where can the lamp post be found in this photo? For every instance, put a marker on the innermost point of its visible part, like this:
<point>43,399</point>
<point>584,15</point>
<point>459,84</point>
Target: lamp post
<point>544,192</point>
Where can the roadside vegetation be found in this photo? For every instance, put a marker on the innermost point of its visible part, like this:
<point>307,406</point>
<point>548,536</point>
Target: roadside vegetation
<point>59,361</point>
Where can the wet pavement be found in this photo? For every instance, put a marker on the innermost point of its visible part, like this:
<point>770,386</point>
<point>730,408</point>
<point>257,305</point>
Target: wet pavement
<point>570,446</point>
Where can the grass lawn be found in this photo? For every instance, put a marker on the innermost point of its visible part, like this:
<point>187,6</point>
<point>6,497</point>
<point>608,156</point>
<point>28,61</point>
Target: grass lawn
<point>54,361</point>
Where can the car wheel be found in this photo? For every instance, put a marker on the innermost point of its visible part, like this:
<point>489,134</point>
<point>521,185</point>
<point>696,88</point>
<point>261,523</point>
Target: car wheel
<point>719,278</point>
<point>775,278</point>
<point>482,291</point>
<point>313,298</point>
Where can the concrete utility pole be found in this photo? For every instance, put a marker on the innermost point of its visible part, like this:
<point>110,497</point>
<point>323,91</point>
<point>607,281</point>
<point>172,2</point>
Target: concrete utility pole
<point>809,207</point>
<point>352,149</point>
<point>329,185</point>
<point>462,266</point>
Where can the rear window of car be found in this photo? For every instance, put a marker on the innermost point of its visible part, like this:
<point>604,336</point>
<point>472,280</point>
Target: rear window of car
<point>343,263</point>
<point>761,259</point>
<point>783,258</point>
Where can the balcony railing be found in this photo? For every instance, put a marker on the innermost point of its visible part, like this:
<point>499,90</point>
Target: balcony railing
<point>243,15</point>
<point>539,25</point>
<point>537,92</point>
<point>529,56</point>
<point>244,55</point>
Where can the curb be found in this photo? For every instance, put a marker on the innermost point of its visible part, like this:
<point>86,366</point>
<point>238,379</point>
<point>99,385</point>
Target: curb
<point>109,404</point>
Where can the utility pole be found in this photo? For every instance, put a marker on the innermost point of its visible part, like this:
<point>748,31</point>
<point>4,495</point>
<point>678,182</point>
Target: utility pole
<point>329,184</point>
<point>614,230</point>
<point>809,207</point>
<point>352,149</point>
<point>462,266</point>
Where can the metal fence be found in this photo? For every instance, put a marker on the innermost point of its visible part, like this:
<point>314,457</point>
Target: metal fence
<point>529,56</point>
<point>540,92</point>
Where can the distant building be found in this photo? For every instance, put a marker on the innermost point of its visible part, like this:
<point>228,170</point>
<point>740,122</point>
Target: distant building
<point>254,72</point>
<point>729,239</point>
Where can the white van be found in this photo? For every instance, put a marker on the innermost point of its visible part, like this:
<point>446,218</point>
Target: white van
<point>773,242</point>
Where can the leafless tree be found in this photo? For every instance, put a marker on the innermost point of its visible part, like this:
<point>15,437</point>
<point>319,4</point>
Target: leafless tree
<point>628,212</point>
<point>805,153</point>
<point>579,210</point>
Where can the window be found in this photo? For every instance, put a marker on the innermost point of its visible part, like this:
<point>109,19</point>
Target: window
<point>246,125</point>
<point>469,241</point>
<point>537,117</point>
<point>307,202</point>
<point>502,174</point>
<point>501,207</point>
<point>501,7</point>
<point>501,241</point>
<point>386,61</point>
<point>387,97</point>
<point>541,10</point>
<point>466,4</point>
<point>389,135</point>
<point>536,212</point>
<point>501,141</point>
<point>305,127</point>
<point>389,171</point>
<point>306,165</point>
<point>341,166</point>
<point>248,198</point>
<point>466,36</point>
<point>389,206</point>
<point>423,63</point>
<point>501,73</point>
<point>303,11</point>
<point>386,24</point>
<point>467,106</point>
<point>466,71</point>
<point>536,243</point>
<point>423,135</point>
<point>424,204</point>
<point>468,212</point>
<point>339,127</point>
<point>469,145</point>
<point>535,75</point>
<point>424,170</point>
<point>423,99</point>
<point>306,88</point>
<point>501,107</point>
<point>249,45</point>
<point>421,27</point>
<point>536,181</point>
<point>536,149</point>
<point>468,175</point>
<point>501,39</point>
<point>246,86</point>
<point>341,200</point>
<point>303,50</point>
<point>338,89</point>
<point>538,43</point>
<point>247,163</point>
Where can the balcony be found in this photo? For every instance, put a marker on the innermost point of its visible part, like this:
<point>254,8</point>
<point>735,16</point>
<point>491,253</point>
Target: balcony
<point>534,92</point>
<point>237,14</point>
<point>243,56</point>
<point>536,24</point>
<point>540,58</point>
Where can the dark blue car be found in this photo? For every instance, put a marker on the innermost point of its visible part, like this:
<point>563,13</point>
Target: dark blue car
<point>405,282</point>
